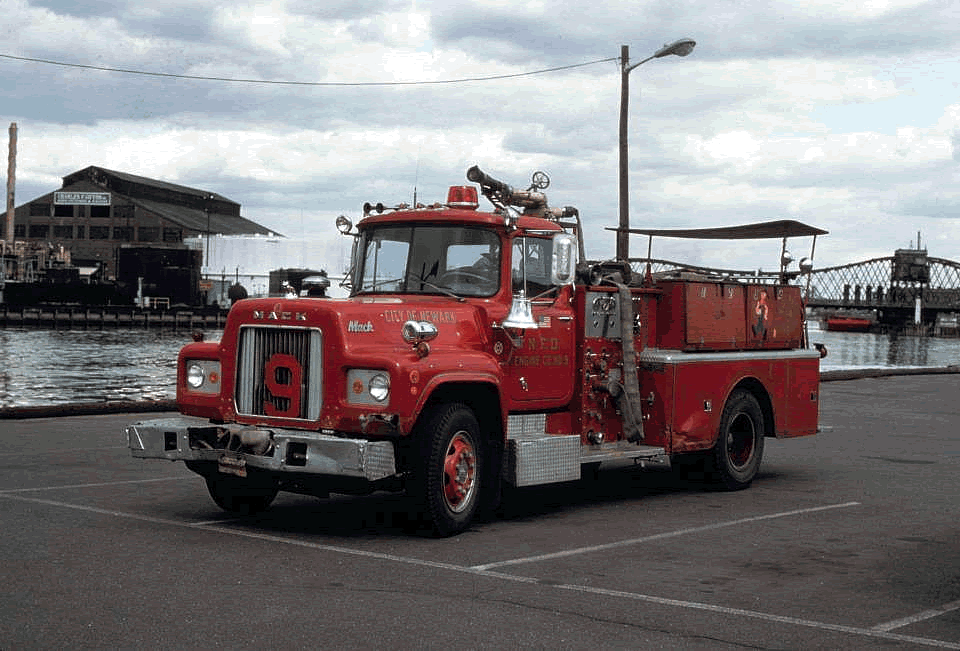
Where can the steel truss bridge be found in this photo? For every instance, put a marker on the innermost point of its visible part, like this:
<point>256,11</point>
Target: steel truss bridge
<point>894,289</point>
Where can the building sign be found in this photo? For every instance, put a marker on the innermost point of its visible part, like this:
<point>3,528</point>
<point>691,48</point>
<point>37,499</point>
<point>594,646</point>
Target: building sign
<point>81,198</point>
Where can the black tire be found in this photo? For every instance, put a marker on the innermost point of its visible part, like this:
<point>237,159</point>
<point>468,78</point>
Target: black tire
<point>447,476</point>
<point>242,496</point>
<point>736,456</point>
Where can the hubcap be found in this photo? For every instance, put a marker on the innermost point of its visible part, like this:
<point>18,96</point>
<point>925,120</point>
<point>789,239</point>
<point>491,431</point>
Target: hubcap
<point>459,473</point>
<point>740,439</point>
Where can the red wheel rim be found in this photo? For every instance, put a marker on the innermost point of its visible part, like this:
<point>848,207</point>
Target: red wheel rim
<point>740,441</point>
<point>459,473</point>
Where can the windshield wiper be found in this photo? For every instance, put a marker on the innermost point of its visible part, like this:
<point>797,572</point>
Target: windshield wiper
<point>410,277</point>
<point>377,285</point>
<point>443,290</point>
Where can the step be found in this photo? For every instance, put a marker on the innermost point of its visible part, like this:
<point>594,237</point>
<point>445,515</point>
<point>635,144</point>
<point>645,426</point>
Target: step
<point>533,459</point>
<point>619,450</point>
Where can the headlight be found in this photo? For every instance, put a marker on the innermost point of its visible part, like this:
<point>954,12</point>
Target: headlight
<point>379,387</point>
<point>368,387</point>
<point>195,375</point>
<point>203,375</point>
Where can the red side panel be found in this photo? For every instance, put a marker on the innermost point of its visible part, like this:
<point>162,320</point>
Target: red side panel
<point>657,383</point>
<point>802,399</point>
<point>688,391</point>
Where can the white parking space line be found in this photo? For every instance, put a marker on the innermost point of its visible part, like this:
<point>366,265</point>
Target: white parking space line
<point>660,536</point>
<point>95,485</point>
<point>780,619</point>
<point>93,509</point>
<point>238,532</point>
<point>584,589</point>
<point>919,617</point>
<point>60,451</point>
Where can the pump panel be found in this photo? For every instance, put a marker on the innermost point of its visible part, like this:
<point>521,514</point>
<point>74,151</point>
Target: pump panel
<point>602,315</point>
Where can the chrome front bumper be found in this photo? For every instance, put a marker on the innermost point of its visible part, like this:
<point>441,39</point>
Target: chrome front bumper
<point>293,451</point>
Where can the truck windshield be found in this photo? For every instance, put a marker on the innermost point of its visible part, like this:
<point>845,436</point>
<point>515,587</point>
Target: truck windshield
<point>429,260</point>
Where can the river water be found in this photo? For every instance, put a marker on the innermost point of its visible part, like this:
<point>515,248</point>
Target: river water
<point>49,367</point>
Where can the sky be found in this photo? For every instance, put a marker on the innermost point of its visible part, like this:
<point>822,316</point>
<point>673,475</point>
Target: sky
<point>840,114</point>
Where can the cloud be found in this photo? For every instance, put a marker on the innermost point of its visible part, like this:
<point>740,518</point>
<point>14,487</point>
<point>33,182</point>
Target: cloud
<point>840,114</point>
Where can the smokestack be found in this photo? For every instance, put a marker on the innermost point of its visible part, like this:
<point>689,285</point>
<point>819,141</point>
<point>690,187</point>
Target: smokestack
<point>11,181</point>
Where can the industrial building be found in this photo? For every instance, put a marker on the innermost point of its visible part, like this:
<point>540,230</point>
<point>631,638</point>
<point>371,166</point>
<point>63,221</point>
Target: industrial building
<point>97,212</point>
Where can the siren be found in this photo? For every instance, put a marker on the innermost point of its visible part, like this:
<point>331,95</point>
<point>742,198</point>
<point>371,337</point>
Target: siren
<point>462,196</point>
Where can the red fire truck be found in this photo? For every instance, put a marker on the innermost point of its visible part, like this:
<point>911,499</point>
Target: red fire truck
<point>474,351</point>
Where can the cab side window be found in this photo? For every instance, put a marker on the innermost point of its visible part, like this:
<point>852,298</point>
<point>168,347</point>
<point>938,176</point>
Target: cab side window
<point>531,257</point>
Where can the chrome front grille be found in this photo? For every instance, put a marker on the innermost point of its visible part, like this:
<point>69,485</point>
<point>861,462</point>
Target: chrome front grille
<point>279,372</point>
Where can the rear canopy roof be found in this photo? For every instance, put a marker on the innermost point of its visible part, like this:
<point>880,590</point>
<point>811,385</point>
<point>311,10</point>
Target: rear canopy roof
<point>759,231</point>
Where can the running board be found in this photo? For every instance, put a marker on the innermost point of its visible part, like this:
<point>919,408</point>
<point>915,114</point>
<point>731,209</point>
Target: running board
<point>619,450</point>
<point>533,459</point>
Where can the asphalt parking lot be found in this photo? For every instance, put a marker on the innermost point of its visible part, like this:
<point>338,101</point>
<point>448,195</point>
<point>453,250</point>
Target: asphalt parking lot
<point>846,540</point>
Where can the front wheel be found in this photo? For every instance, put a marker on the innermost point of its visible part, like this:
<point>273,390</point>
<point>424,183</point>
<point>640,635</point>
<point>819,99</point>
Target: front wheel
<point>238,495</point>
<point>739,449</point>
<point>449,467</point>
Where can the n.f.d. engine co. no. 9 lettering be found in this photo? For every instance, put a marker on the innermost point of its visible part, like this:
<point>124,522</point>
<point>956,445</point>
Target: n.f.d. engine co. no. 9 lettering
<point>282,376</point>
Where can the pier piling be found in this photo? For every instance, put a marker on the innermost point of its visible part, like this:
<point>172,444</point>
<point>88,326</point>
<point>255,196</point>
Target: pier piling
<point>70,317</point>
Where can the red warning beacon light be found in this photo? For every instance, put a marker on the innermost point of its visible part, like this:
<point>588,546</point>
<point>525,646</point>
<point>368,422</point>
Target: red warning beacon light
<point>462,196</point>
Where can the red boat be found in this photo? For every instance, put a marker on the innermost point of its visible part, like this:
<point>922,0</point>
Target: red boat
<point>848,324</point>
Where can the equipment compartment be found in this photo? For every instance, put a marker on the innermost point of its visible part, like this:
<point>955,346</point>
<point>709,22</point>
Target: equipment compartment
<point>706,316</point>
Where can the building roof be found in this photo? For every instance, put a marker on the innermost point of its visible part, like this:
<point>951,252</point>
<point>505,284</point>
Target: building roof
<point>196,219</point>
<point>192,208</point>
<point>103,177</point>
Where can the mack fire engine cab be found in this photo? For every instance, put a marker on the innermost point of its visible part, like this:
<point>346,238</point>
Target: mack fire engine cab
<point>474,351</point>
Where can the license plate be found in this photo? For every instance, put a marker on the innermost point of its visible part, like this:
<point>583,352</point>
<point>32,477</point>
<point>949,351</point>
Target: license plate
<point>232,466</point>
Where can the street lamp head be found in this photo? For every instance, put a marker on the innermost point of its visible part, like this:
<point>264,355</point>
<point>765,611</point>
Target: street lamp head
<point>681,48</point>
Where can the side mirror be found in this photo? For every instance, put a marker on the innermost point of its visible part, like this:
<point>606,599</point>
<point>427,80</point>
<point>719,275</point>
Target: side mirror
<point>563,269</point>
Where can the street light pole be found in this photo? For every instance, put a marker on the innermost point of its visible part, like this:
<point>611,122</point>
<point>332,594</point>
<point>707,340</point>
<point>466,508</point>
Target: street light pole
<point>682,48</point>
<point>623,237</point>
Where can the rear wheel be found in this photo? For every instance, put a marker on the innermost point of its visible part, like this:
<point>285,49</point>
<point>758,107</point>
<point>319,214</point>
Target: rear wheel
<point>448,469</point>
<point>238,495</point>
<point>739,449</point>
